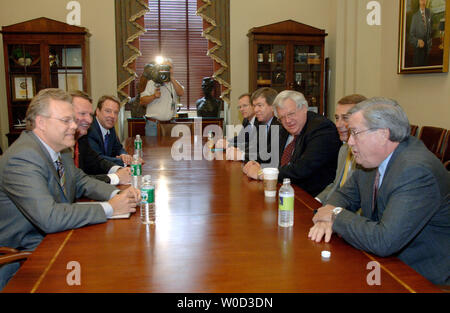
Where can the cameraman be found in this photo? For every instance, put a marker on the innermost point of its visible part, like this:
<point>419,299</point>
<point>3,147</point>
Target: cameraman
<point>161,100</point>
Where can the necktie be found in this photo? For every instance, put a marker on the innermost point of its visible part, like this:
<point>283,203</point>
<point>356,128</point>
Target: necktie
<point>105,142</point>
<point>76,155</point>
<point>61,173</point>
<point>424,20</point>
<point>374,196</point>
<point>348,165</point>
<point>287,153</point>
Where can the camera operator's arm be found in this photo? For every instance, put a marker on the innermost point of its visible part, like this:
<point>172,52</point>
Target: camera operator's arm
<point>148,99</point>
<point>149,93</point>
<point>179,89</point>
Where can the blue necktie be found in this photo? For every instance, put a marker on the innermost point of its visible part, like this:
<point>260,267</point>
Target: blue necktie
<point>105,142</point>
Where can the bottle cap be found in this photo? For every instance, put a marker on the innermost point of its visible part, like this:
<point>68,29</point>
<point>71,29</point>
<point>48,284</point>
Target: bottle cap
<point>326,254</point>
<point>286,181</point>
<point>135,156</point>
<point>138,136</point>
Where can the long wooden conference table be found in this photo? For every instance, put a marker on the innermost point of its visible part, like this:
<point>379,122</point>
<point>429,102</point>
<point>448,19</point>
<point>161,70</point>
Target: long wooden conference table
<point>215,232</point>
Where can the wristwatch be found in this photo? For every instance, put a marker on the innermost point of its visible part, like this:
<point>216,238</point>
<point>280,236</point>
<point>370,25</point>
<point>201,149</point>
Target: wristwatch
<point>336,211</point>
<point>260,174</point>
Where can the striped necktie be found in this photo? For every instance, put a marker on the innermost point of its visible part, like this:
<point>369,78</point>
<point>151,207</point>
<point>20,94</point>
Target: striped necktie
<point>61,173</point>
<point>287,153</point>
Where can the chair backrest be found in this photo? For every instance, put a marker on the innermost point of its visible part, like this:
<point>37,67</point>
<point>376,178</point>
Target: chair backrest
<point>446,149</point>
<point>432,137</point>
<point>414,129</point>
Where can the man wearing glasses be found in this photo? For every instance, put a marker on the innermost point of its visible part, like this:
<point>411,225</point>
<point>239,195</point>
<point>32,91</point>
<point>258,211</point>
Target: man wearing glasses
<point>39,182</point>
<point>239,143</point>
<point>403,191</point>
<point>308,145</point>
<point>346,163</point>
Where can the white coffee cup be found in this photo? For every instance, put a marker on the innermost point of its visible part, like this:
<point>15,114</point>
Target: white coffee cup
<point>270,181</point>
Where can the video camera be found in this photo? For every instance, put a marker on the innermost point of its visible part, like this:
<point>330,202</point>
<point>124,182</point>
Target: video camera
<point>159,73</point>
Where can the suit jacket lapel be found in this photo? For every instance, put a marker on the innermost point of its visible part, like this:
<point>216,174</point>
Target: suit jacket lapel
<point>99,134</point>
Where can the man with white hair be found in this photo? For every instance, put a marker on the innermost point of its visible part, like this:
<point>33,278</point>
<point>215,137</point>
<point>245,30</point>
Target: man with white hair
<point>308,145</point>
<point>403,192</point>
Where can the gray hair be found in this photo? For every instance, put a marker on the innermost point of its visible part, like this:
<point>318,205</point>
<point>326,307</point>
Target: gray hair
<point>381,113</point>
<point>295,96</point>
<point>39,105</point>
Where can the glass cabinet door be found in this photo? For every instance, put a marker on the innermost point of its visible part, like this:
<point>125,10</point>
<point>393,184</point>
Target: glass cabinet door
<point>66,67</point>
<point>271,66</point>
<point>24,68</point>
<point>307,73</point>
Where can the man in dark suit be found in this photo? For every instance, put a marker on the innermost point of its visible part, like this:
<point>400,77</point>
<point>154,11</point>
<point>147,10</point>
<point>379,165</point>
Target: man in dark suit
<point>403,192</point>
<point>39,182</point>
<point>420,34</point>
<point>86,158</point>
<point>308,145</point>
<point>248,125</point>
<point>259,149</point>
<point>102,134</point>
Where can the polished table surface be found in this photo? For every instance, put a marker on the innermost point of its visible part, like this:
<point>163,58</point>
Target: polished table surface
<point>215,232</point>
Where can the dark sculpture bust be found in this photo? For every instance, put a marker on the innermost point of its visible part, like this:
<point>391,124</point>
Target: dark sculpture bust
<point>208,106</point>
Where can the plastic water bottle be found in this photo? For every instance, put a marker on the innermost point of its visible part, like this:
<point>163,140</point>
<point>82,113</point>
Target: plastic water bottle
<point>136,171</point>
<point>210,142</point>
<point>138,146</point>
<point>286,204</point>
<point>147,201</point>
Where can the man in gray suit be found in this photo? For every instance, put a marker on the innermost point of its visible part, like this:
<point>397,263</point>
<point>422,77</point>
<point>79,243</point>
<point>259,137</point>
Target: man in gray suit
<point>39,182</point>
<point>346,163</point>
<point>403,191</point>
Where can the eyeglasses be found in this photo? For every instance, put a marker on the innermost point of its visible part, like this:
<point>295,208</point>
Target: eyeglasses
<point>288,116</point>
<point>67,120</point>
<point>355,133</point>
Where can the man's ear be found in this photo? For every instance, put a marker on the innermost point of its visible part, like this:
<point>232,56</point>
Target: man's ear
<point>386,133</point>
<point>40,121</point>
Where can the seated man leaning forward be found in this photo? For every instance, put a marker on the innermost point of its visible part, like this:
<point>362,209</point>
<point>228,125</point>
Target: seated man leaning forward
<point>39,182</point>
<point>308,145</point>
<point>403,191</point>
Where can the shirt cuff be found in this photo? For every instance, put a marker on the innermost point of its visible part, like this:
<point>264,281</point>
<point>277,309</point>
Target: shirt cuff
<point>109,211</point>
<point>114,179</point>
<point>114,169</point>
<point>107,208</point>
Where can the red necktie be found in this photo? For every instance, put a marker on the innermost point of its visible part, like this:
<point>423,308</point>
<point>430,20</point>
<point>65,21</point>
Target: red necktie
<point>287,153</point>
<point>76,153</point>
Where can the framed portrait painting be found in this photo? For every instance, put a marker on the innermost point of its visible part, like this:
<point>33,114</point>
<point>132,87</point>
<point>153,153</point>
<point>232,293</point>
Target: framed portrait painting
<point>423,36</point>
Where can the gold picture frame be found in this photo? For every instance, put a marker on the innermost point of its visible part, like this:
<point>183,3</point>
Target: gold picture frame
<point>23,87</point>
<point>424,39</point>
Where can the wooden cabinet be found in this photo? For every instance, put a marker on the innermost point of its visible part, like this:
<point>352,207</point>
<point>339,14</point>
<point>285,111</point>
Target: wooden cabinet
<point>42,53</point>
<point>289,55</point>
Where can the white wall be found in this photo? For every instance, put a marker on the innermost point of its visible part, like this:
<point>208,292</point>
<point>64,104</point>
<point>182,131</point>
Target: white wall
<point>253,13</point>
